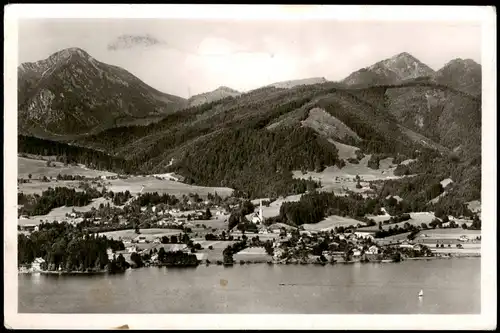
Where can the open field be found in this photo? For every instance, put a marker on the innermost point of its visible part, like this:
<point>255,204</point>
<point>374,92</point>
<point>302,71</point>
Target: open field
<point>59,213</point>
<point>344,151</point>
<point>338,180</point>
<point>446,182</point>
<point>36,186</point>
<point>417,218</point>
<point>166,247</point>
<point>408,161</point>
<point>281,225</point>
<point>37,168</point>
<point>380,218</point>
<point>152,184</point>
<point>274,207</point>
<point>474,206</point>
<point>216,253</point>
<point>150,234</point>
<point>451,233</point>
<point>467,249</point>
<point>252,254</point>
<point>331,222</point>
<point>214,223</point>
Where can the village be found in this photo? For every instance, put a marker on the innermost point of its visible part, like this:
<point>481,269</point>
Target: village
<point>200,227</point>
<point>153,213</point>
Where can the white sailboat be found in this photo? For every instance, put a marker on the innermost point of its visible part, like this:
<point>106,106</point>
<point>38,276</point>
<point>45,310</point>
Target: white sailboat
<point>421,293</point>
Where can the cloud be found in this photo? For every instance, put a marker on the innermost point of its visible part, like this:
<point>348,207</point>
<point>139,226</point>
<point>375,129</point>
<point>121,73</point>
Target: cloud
<point>133,41</point>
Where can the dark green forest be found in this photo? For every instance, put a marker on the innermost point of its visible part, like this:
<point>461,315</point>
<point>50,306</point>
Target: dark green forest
<point>70,248</point>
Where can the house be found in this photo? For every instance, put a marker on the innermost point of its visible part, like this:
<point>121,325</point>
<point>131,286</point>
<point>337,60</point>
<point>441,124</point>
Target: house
<point>360,234</point>
<point>140,239</point>
<point>180,220</point>
<point>463,238</point>
<point>157,240</point>
<point>220,212</point>
<point>38,264</point>
<point>406,245</point>
<point>110,253</point>
<point>162,222</point>
<point>29,227</point>
<point>418,247</point>
<point>255,218</point>
<point>356,253</point>
<point>132,249</point>
<point>372,250</point>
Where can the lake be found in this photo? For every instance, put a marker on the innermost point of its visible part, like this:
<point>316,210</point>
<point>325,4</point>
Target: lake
<point>451,286</point>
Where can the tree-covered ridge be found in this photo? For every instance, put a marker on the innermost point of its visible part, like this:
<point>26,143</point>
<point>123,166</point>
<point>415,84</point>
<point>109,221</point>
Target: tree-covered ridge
<point>257,162</point>
<point>314,207</point>
<point>70,248</point>
<point>230,142</point>
<point>71,154</point>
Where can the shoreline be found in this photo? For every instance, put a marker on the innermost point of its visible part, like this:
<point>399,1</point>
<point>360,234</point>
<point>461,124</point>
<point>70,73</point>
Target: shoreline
<point>467,255</point>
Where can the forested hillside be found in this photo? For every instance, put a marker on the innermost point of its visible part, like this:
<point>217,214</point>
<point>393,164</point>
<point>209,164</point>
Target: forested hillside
<point>253,141</point>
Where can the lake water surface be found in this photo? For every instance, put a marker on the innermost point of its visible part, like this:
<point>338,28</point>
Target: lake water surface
<point>450,287</point>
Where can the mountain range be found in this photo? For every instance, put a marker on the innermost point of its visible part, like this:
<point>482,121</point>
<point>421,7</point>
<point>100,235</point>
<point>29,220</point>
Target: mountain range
<point>71,92</point>
<point>252,141</point>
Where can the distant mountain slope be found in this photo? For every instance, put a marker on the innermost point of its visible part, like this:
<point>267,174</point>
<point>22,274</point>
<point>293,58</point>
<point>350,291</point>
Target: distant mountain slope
<point>71,93</point>
<point>251,142</point>
<point>464,75</point>
<point>212,96</point>
<point>294,83</point>
<point>401,67</point>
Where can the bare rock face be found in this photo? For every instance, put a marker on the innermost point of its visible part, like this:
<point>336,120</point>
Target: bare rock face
<point>70,92</point>
<point>399,68</point>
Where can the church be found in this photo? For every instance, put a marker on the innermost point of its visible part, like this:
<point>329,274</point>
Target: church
<point>258,218</point>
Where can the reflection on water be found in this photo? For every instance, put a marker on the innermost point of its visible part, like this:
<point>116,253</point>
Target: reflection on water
<point>338,289</point>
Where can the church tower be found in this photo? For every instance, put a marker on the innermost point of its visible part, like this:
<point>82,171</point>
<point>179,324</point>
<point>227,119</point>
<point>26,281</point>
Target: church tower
<point>261,217</point>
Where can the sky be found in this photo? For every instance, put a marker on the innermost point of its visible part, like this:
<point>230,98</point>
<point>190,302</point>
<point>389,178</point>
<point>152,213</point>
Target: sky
<point>185,57</point>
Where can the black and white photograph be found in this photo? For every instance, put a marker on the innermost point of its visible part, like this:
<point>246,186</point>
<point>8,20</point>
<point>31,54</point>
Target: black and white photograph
<point>272,162</point>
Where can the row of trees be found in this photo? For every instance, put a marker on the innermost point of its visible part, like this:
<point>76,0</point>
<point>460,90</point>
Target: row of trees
<point>70,154</point>
<point>230,250</point>
<point>396,230</point>
<point>176,258</point>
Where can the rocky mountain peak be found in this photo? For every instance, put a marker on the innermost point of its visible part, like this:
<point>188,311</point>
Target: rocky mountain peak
<point>463,63</point>
<point>404,66</point>
<point>226,89</point>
